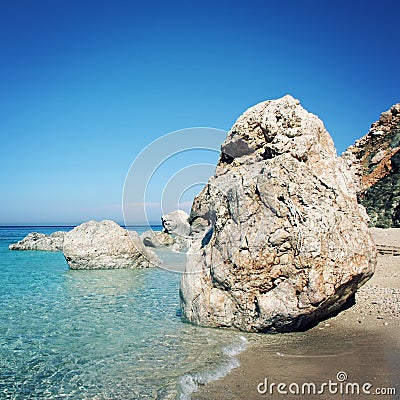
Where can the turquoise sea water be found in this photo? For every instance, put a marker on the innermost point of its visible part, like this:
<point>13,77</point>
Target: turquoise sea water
<point>113,334</point>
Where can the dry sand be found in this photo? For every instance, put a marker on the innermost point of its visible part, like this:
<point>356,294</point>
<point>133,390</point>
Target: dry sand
<point>363,342</point>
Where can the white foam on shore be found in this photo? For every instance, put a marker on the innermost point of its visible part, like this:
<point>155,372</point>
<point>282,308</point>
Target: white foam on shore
<point>191,382</point>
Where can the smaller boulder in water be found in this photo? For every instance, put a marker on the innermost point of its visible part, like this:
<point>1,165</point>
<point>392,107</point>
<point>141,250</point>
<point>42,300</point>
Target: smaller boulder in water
<point>40,241</point>
<point>152,238</point>
<point>105,245</point>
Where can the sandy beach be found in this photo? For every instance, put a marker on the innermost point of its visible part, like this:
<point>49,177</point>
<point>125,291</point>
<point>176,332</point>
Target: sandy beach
<point>363,342</point>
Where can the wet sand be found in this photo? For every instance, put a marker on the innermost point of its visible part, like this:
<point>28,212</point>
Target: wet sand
<point>363,342</point>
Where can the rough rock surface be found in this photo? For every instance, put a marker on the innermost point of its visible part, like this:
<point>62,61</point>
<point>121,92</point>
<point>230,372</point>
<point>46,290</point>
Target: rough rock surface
<point>40,241</point>
<point>177,233</point>
<point>152,238</point>
<point>289,243</point>
<point>105,245</point>
<point>176,222</point>
<point>374,161</point>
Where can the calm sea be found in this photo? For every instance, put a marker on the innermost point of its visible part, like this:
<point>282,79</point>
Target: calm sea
<point>114,334</point>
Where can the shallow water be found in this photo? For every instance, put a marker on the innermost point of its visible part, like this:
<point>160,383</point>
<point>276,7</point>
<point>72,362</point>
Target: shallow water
<point>113,334</point>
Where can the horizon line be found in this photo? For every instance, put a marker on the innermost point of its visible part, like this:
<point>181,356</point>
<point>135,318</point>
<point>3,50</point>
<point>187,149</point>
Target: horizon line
<point>54,225</point>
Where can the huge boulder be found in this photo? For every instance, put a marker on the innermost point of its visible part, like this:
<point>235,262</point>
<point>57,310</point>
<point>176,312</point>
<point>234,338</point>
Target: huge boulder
<point>105,245</point>
<point>40,241</point>
<point>374,161</point>
<point>289,243</point>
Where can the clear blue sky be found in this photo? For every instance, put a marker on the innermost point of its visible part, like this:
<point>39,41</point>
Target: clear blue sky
<point>85,85</point>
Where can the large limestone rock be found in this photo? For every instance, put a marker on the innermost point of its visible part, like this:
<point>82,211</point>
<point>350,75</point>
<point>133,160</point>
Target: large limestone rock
<point>40,241</point>
<point>374,161</point>
<point>289,244</point>
<point>105,245</point>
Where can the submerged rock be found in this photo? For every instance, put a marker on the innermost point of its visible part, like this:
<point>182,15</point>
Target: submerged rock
<point>374,161</point>
<point>105,245</point>
<point>40,241</point>
<point>289,244</point>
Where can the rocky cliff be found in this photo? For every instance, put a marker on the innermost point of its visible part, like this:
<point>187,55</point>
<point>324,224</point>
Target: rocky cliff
<point>288,243</point>
<point>375,163</point>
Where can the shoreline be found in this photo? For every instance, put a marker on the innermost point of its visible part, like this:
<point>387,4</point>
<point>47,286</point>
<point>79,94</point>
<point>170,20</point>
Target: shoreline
<point>362,341</point>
